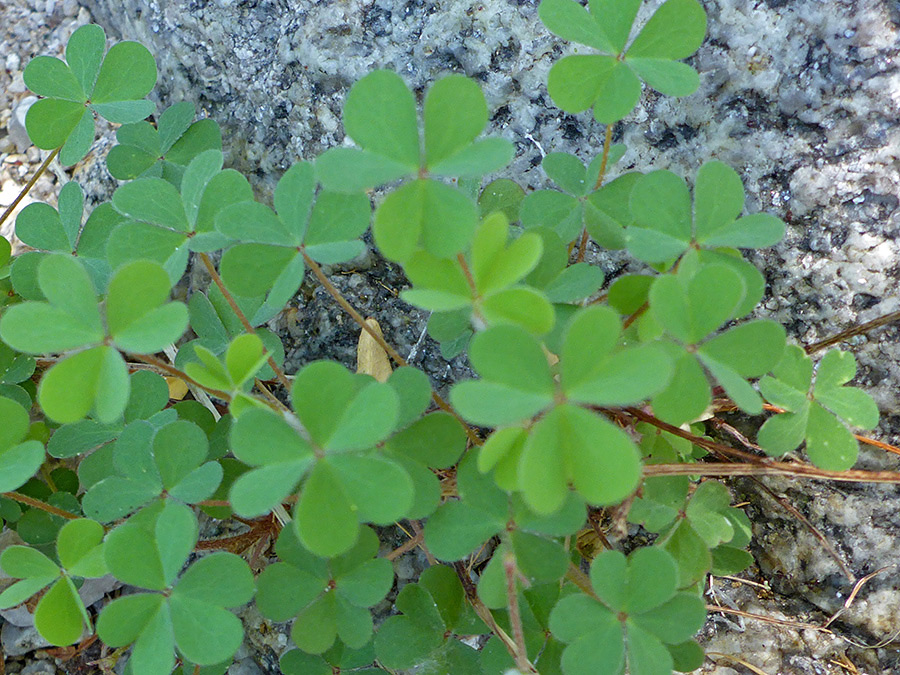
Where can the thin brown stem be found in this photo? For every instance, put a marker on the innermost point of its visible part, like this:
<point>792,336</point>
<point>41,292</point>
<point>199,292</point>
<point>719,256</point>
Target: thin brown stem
<point>468,274</point>
<point>395,356</point>
<point>485,615</point>
<point>634,317</point>
<point>693,438</point>
<point>855,330</point>
<point>406,547</point>
<point>38,504</point>
<point>30,184</point>
<point>172,371</point>
<point>279,373</point>
<point>580,579</point>
<point>767,619</point>
<point>417,528</point>
<point>607,141</point>
<point>515,616</point>
<point>770,468</point>
<point>270,396</point>
<point>604,159</point>
<point>582,245</point>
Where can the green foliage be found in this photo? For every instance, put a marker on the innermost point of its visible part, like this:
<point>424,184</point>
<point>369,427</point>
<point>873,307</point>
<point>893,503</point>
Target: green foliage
<point>818,414</point>
<point>636,614</point>
<point>581,204</point>
<point>103,472</point>
<point>329,598</point>
<point>165,150</point>
<point>60,614</point>
<point>380,115</point>
<point>149,552</point>
<point>432,610</point>
<point>112,86</point>
<point>138,319</point>
<point>610,81</point>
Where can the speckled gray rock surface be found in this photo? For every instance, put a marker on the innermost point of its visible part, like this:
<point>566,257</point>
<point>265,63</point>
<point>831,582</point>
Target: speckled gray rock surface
<point>800,97</point>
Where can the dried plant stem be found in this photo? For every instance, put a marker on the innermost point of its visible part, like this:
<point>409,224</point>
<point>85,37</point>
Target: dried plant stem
<point>279,373</point>
<point>30,184</point>
<point>409,545</point>
<point>855,330</point>
<point>38,504</point>
<point>395,356</point>
<point>604,159</point>
<point>767,468</point>
<point>767,619</point>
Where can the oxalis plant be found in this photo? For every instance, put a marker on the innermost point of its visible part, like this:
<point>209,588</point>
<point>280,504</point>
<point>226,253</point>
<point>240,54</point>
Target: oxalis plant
<point>587,405</point>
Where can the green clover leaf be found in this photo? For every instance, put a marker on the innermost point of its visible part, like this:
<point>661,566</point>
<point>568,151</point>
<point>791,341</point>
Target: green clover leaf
<point>113,87</point>
<point>216,325</point>
<point>19,458</point>
<point>690,305</point>
<point>269,258</point>
<point>243,359</point>
<point>568,443</point>
<point>664,226</point>
<point>633,618</point>
<point>343,416</point>
<point>149,552</point>
<point>149,462</point>
<point>458,528</point>
<point>496,265</point>
<point>49,230</point>
<point>690,531</point>
<point>60,615</point>
<point>581,204</point>
<point>163,151</point>
<point>610,81</point>
<point>820,414</point>
<point>138,319</point>
<point>328,599</point>
<point>432,609</point>
<point>167,222</point>
<point>380,115</point>
<point>298,662</point>
<point>436,441</point>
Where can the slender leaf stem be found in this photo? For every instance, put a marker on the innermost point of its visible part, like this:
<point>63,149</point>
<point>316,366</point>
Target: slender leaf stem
<point>485,615</point>
<point>515,616</point>
<point>607,141</point>
<point>395,356</point>
<point>30,184</point>
<point>279,373</point>
<point>460,258</point>
<point>38,504</point>
<point>580,579</point>
<point>604,159</point>
<point>634,317</point>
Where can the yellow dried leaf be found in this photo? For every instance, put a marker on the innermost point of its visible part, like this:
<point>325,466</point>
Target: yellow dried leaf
<point>371,359</point>
<point>178,388</point>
